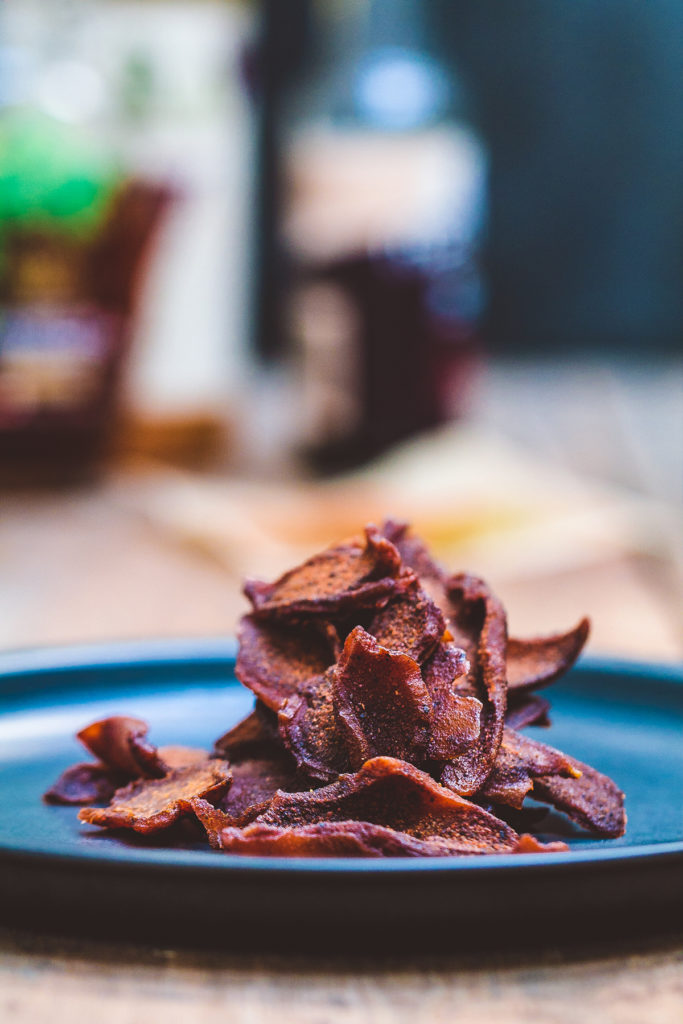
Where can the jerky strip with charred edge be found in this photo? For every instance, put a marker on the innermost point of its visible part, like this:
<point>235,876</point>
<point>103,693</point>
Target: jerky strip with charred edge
<point>274,659</point>
<point>410,623</point>
<point>424,817</point>
<point>150,805</point>
<point>536,662</point>
<point>455,717</point>
<point>478,624</point>
<point>593,800</point>
<point>531,710</point>
<point>309,729</point>
<point>346,577</point>
<point>85,783</point>
<point>381,701</point>
<point>347,839</point>
<point>520,761</point>
<point>121,744</point>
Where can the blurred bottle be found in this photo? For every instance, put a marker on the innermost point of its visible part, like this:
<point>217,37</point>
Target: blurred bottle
<point>73,231</point>
<point>383,209</point>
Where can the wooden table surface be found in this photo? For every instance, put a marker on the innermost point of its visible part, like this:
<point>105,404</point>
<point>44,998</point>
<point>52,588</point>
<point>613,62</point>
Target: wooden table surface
<point>81,567</point>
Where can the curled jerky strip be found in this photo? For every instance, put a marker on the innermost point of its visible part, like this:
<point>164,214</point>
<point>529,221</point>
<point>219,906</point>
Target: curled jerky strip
<point>150,805</point>
<point>381,702</point>
<point>455,720</point>
<point>520,761</point>
<point>348,839</point>
<point>347,577</point>
<point>477,621</point>
<point>531,710</point>
<point>275,659</point>
<point>85,783</point>
<point>415,555</point>
<point>259,765</point>
<point>310,729</point>
<point>388,808</point>
<point>121,744</point>
<point>410,623</point>
<point>537,662</point>
<point>255,781</point>
<point>530,663</point>
<point>124,753</point>
<point>592,800</point>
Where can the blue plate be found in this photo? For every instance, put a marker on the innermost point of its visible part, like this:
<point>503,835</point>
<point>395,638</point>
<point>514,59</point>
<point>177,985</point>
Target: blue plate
<point>56,874</point>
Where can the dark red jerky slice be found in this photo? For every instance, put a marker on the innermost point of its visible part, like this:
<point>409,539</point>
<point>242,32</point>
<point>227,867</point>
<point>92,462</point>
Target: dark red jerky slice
<point>520,761</point>
<point>455,718</point>
<point>381,701</point>
<point>349,576</point>
<point>86,783</point>
<point>478,624</point>
<point>348,839</point>
<point>255,736</point>
<point>276,659</point>
<point>531,710</point>
<point>530,663</point>
<point>593,800</point>
<point>213,819</point>
<point>410,623</point>
<point>326,839</point>
<point>121,744</point>
<point>150,805</point>
<point>537,662</point>
<point>310,731</point>
<point>255,782</point>
<point>396,795</point>
<point>415,555</point>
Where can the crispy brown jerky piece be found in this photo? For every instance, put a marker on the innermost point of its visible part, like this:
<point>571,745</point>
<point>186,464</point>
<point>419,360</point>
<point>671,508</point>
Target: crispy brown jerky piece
<point>255,736</point>
<point>275,659</point>
<point>415,555</point>
<point>85,783</point>
<point>149,805</point>
<point>593,800</point>
<point>455,717</point>
<point>326,839</point>
<point>410,623</point>
<point>531,710</point>
<point>346,577</point>
<point>520,761</point>
<point>348,839</point>
<point>310,729</point>
<point>381,701</point>
<point>477,622</point>
<point>255,782</point>
<point>530,663</point>
<point>539,661</point>
<point>396,795</point>
<point>121,744</point>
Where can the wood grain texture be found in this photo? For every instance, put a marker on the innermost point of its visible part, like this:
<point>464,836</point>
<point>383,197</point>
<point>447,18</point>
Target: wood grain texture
<point>69,981</point>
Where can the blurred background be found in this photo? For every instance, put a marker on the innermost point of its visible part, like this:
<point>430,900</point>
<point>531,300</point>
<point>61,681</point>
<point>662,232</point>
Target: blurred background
<point>269,271</point>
